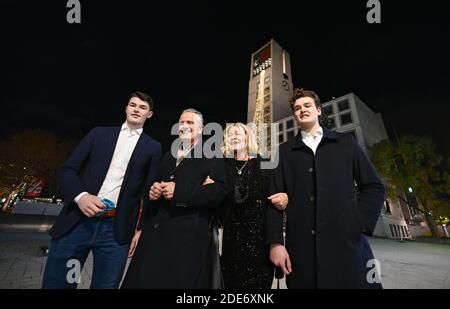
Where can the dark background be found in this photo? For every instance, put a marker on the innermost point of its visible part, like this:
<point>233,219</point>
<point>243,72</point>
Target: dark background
<point>68,78</point>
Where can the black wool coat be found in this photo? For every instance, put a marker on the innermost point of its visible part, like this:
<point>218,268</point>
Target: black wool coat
<point>173,247</point>
<point>327,219</point>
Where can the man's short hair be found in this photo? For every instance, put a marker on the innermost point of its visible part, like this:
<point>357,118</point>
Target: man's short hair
<point>193,110</point>
<point>302,93</point>
<point>142,96</point>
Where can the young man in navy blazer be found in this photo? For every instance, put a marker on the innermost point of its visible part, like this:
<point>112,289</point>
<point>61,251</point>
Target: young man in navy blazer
<point>119,164</point>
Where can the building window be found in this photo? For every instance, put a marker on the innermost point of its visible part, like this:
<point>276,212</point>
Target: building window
<point>266,80</point>
<point>267,90</point>
<point>289,124</point>
<point>281,127</point>
<point>331,123</point>
<point>280,138</point>
<point>267,98</point>
<point>290,135</point>
<point>267,118</point>
<point>346,118</point>
<point>343,105</point>
<point>327,110</point>
<point>267,110</point>
<point>387,206</point>
<point>397,231</point>
<point>257,86</point>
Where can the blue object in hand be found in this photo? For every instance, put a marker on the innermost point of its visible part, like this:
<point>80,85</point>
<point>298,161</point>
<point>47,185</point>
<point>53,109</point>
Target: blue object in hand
<point>110,205</point>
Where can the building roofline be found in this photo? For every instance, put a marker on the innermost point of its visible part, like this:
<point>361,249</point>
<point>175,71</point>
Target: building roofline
<point>348,95</point>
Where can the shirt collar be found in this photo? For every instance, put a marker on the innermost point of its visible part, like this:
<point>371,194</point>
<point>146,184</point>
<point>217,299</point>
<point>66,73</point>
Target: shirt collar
<point>186,150</point>
<point>125,127</point>
<point>319,133</point>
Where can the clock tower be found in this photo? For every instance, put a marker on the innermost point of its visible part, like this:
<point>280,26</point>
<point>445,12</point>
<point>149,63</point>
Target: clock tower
<point>270,89</point>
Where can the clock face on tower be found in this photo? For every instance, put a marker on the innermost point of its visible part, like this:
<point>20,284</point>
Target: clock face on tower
<point>285,85</point>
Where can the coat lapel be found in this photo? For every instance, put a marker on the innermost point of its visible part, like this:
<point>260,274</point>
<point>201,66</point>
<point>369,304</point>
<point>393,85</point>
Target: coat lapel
<point>142,141</point>
<point>298,142</point>
<point>188,160</point>
<point>109,150</point>
<point>327,135</point>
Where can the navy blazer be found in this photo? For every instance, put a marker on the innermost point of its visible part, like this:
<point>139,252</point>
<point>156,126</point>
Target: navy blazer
<point>86,169</point>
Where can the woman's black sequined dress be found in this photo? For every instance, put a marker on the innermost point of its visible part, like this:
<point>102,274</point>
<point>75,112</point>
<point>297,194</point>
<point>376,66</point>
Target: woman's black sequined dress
<point>245,257</point>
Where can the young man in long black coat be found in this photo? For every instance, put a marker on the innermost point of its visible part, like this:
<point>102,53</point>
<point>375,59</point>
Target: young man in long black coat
<point>327,219</point>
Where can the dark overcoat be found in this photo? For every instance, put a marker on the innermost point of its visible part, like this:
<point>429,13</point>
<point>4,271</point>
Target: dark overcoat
<point>327,219</point>
<point>173,248</point>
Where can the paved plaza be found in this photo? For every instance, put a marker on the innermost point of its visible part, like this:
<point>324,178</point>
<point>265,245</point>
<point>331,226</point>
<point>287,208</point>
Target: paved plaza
<point>404,264</point>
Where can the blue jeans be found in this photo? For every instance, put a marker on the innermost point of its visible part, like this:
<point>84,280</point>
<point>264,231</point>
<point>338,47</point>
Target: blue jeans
<point>68,253</point>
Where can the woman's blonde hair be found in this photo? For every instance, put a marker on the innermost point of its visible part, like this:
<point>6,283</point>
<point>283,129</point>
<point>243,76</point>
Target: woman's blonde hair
<point>252,147</point>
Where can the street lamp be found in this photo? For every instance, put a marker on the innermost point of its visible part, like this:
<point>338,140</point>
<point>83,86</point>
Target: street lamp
<point>410,190</point>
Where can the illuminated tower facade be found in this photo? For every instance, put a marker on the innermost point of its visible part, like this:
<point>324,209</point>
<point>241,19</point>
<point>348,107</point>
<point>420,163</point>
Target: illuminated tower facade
<point>270,88</point>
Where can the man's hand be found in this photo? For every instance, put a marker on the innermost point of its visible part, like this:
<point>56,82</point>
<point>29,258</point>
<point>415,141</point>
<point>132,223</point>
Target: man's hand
<point>134,243</point>
<point>280,257</point>
<point>168,188</point>
<point>155,191</point>
<point>90,205</point>
<point>208,181</point>
<point>279,200</point>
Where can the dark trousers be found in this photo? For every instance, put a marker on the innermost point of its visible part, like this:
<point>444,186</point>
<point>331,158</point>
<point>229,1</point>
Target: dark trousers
<point>67,255</point>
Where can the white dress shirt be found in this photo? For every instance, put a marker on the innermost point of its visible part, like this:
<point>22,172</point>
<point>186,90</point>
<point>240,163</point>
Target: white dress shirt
<point>126,143</point>
<point>312,141</point>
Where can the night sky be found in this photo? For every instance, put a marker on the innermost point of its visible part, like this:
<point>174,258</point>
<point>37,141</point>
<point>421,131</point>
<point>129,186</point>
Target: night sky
<point>68,78</point>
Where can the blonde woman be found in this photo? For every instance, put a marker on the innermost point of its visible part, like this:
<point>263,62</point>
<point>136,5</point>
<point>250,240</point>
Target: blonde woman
<point>245,257</point>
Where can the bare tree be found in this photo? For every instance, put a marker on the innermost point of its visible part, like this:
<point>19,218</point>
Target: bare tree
<point>29,155</point>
